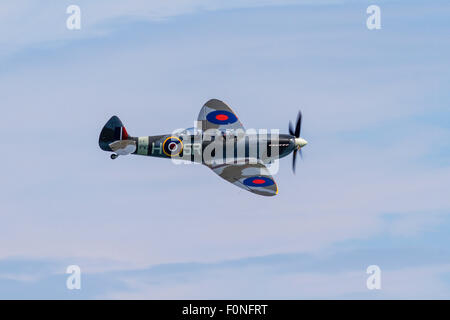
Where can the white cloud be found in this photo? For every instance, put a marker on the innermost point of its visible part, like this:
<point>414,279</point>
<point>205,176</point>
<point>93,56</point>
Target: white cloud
<point>262,282</point>
<point>25,23</point>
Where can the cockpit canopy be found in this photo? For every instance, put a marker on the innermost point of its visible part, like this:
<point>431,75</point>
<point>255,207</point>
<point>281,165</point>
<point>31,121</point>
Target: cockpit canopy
<point>193,131</point>
<point>189,132</point>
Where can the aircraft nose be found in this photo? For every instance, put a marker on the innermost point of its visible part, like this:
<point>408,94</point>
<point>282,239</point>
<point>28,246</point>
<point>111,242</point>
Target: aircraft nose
<point>300,142</point>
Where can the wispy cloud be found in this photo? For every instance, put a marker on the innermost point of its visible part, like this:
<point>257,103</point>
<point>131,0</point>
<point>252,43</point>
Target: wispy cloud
<point>290,276</point>
<point>29,23</point>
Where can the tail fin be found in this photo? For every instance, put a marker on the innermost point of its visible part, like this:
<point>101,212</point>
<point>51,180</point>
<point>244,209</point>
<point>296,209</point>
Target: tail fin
<point>112,131</point>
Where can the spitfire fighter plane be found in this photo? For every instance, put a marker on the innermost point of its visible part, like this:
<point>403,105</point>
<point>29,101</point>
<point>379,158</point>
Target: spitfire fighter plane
<point>219,141</point>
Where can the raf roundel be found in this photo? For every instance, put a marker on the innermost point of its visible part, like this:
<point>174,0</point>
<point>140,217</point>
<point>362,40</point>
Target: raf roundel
<point>258,181</point>
<point>221,117</point>
<point>172,146</point>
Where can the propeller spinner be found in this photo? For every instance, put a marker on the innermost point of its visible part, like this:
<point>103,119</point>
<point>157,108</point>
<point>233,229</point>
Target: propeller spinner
<point>299,142</point>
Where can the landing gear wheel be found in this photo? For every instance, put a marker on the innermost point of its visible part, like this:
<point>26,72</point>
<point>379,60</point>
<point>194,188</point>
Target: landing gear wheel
<point>113,156</point>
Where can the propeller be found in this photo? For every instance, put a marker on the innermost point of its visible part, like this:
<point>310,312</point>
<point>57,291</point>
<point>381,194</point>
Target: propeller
<point>299,142</point>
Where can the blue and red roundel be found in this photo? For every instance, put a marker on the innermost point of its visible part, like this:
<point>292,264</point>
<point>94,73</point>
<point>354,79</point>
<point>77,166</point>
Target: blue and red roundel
<point>258,181</point>
<point>172,146</point>
<point>221,117</point>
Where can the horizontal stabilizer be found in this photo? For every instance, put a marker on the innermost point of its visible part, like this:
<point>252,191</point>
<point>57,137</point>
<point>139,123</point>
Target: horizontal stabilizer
<point>123,147</point>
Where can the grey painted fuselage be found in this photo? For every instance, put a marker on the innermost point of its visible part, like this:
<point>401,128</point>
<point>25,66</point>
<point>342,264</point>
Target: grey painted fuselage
<point>202,149</point>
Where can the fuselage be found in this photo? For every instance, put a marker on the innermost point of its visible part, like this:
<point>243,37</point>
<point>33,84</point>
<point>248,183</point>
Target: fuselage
<point>203,148</point>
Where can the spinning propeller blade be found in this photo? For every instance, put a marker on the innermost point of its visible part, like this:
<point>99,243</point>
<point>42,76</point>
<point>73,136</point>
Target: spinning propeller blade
<point>298,140</point>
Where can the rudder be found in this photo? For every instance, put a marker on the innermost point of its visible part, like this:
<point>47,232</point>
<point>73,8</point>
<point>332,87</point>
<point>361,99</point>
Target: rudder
<point>111,132</point>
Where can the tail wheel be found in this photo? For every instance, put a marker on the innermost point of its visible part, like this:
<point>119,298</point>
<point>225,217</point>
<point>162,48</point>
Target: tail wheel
<point>114,156</point>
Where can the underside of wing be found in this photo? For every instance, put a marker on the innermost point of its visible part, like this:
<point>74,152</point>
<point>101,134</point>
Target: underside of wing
<point>216,114</point>
<point>253,177</point>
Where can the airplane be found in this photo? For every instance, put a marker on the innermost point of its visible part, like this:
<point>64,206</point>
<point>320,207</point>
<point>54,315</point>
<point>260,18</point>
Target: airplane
<point>218,141</point>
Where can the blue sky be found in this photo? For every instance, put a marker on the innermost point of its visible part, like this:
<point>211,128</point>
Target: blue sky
<point>372,189</point>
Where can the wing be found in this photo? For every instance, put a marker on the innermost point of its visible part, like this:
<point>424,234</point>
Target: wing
<point>215,114</point>
<point>255,177</point>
